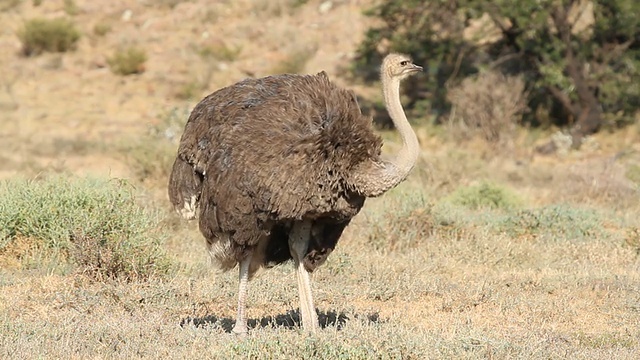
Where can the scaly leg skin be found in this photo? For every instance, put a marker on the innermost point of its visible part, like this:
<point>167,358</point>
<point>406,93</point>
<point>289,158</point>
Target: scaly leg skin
<point>298,244</point>
<point>240,327</point>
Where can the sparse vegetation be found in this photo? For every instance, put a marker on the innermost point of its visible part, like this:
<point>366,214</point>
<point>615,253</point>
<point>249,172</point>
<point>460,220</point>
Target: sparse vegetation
<point>71,8</point>
<point>489,104</point>
<point>168,3</point>
<point>129,61</point>
<point>94,224</point>
<point>220,51</point>
<point>101,28</point>
<point>9,4</point>
<point>484,195</point>
<point>151,156</point>
<point>294,62</point>
<point>557,222</point>
<point>402,224</point>
<point>633,174</point>
<point>40,35</point>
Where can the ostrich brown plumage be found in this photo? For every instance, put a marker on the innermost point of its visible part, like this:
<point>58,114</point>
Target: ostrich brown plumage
<point>275,168</point>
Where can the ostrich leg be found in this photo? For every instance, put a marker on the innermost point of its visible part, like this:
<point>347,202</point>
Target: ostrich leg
<point>240,327</point>
<point>298,244</point>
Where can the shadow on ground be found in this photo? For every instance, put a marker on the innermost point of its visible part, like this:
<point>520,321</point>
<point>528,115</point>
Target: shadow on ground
<point>288,320</point>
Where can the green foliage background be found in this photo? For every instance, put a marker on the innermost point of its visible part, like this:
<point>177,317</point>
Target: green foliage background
<point>607,53</point>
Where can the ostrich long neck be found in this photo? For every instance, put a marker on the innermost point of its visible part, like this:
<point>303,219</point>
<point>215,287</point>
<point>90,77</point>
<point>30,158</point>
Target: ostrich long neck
<point>377,177</point>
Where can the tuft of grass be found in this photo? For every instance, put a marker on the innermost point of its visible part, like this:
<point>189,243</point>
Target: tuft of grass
<point>632,239</point>
<point>484,195</point>
<point>71,8</point>
<point>40,35</point>
<point>94,224</point>
<point>101,28</point>
<point>128,61</point>
<point>294,62</point>
<point>220,51</point>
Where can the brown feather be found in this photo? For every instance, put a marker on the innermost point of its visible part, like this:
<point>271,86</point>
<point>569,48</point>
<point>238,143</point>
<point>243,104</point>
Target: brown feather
<point>262,153</point>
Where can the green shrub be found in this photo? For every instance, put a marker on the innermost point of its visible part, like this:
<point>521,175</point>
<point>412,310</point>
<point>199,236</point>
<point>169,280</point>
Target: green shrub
<point>562,50</point>
<point>220,51</point>
<point>101,29</point>
<point>71,8</point>
<point>129,61</point>
<point>484,195</point>
<point>94,224</point>
<point>559,222</point>
<point>40,35</point>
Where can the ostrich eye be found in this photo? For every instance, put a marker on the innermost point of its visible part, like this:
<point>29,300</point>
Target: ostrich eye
<point>404,63</point>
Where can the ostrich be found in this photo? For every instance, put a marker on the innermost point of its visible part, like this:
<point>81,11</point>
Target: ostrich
<point>275,168</point>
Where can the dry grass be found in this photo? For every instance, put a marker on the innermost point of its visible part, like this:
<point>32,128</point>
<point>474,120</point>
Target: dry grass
<point>417,275</point>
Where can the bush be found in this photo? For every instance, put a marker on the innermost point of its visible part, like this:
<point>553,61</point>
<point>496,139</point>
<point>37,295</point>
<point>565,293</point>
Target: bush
<point>40,35</point>
<point>127,62</point>
<point>556,222</point>
<point>94,224</point>
<point>484,195</point>
<point>489,104</point>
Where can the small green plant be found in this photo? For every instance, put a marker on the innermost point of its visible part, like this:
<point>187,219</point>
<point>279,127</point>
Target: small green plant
<point>94,224</point>
<point>101,29</point>
<point>71,8</point>
<point>40,35</point>
<point>128,61</point>
<point>484,195</point>
<point>220,51</point>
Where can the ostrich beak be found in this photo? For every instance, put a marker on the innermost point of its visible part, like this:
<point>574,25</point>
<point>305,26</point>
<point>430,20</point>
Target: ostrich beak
<point>416,68</point>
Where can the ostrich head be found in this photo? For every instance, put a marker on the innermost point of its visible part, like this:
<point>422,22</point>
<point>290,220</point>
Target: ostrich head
<point>399,66</point>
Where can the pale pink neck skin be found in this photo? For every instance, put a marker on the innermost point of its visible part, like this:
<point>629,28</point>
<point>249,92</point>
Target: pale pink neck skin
<point>375,178</point>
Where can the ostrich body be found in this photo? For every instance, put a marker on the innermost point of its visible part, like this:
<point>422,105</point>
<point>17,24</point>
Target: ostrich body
<point>275,168</point>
